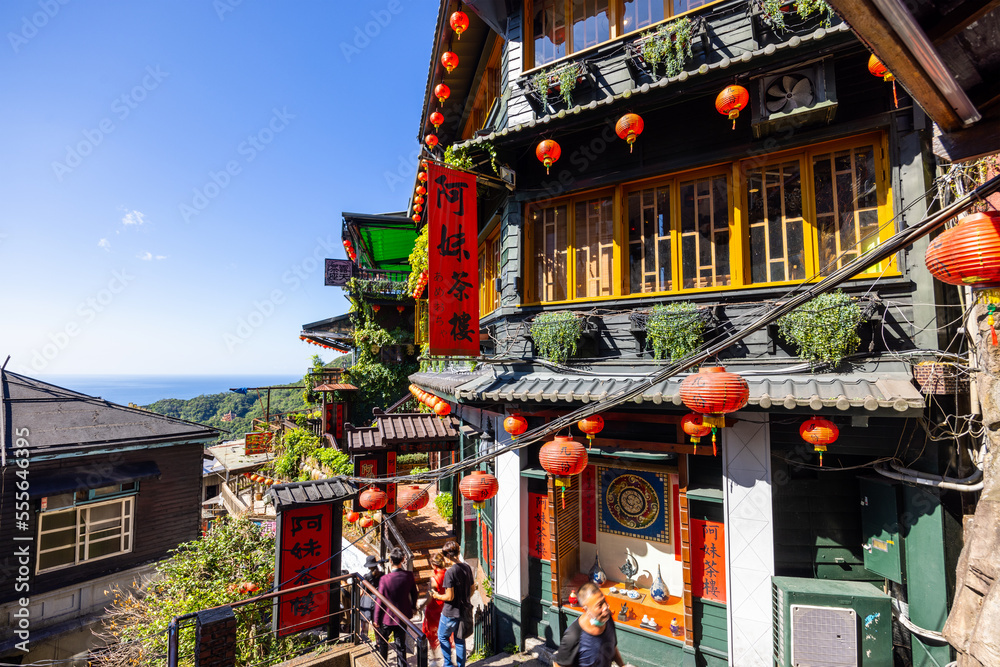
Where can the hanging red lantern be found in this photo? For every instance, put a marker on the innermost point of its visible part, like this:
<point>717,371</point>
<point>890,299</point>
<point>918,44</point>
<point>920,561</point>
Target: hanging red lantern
<point>713,392</point>
<point>416,218</point>
<point>436,118</point>
<point>563,458</point>
<point>819,432</point>
<point>431,140</point>
<point>459,22</point>
<point>373,498</point>
<point>968,253</point>
<point>412,498</point>
<point>693,426</point>
<point>442,409</point>
<point>731,101</point>
<point>629,128</point>
<point>479,486</point>
<point>419,199</point>
<point>376,307</point>
<point>449,60</point>
<point>352,517</point>
<point>421,190</point>
<point>591,425</point>
<point>548,152</point>
<point>515,425</point>
<point>442,92</point>
<point>878,68</point>
<point>422,176</point>
<point>365,522</point>
<point>400,309</point>
<point>417,208</point>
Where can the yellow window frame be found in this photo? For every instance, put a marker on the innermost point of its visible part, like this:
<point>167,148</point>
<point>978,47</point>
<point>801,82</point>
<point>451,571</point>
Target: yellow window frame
<point>489,271</point>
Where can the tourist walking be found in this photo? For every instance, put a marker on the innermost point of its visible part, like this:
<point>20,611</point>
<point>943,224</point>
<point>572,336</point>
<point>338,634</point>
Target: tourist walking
<point>456,615</point>
<point>432,610</point>
<point>367,602</point>
<point>591,640</point>
<point>399,588</point>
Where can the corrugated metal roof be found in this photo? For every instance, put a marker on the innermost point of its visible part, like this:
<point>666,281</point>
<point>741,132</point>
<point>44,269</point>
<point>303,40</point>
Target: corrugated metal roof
<point>841,392</point>
<point>294,494</point>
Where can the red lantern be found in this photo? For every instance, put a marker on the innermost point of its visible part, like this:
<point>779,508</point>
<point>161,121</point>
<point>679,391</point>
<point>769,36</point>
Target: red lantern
<point>417,208</point>
<point>422,176</point>
<point>442,409</point>
<point>693,426</point>
<point>819,432</point>
<point>563,457</point>
<point>968,253</point>
<point>591,426</point>
<point>419,199</point>
<point>515,425</point>
<point>459,22</point>
<point>878,68</point>
<point>436,118</point>
<point>373,499</point>
<point>431,140</point>
<point>479,487</point>
<point>352,517</point>
<point>376,307</point>
<point>416,218</point>
<point>365,522</point>
<point>629,128</point>
<point>731,101</point>
<point>713,392</point>
<point>412,498</point>
<point>449,60</point>
<point>548,152</point>
<point>442,92</point>
<point>421,190</point>
<point>400,309</point>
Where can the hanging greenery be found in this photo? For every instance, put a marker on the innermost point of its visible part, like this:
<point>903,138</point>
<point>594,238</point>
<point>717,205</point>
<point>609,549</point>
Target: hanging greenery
<point>668,45</point>
<point>561,77</point>
<point>825,329</point>
<point>674,330</point>
<point>459,157</point>
<point>773,14</point>
<point>556,335</point>
<point>418,258</point>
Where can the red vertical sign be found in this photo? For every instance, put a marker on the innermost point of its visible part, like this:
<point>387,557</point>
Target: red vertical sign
<point>538,526</point>
<point>390,489</point>
<point>305,542</point>
<point>453,262</point>
<point>708,560</point>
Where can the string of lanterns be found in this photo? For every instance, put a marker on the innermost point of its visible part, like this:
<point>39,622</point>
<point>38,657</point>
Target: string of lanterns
<point>260,479</point>
<point>349,248</point>
<point>421,284</point>
<point>312,342</point>
<point>440,406</point>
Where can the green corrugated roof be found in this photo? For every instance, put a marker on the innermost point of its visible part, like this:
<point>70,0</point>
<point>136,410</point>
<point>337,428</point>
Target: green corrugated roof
<point>382,241</point>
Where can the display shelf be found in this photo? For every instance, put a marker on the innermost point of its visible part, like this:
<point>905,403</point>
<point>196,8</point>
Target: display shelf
<point>663,614</point>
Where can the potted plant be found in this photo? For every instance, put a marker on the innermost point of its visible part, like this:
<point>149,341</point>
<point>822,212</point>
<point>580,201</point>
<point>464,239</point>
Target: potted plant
<point>825,329</point>
<point>775,14</point>
<point>554,83</point>
<point>664,50</point>
<point>674,330</point>
<point>556,335</point>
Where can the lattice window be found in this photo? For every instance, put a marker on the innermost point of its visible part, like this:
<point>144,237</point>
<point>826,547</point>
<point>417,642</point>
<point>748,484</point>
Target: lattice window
<point>774,202</point>
<point>591,23</point>
<point>649,240</point>
<point>846,206</point>
<point>548,27</point>
<point>489,271</point>
<point>704,223</point>
<point>84,533</point>
<point>594,247</point>
<point>551,250</point>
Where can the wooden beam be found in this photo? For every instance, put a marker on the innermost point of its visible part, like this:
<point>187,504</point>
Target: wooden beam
<point>980,140</point>
<point>959,19</point>
<point>873,29</point>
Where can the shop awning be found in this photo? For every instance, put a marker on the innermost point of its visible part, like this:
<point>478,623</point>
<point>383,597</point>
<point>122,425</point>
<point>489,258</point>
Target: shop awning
<point>867,391</point>
<point>383,242</point>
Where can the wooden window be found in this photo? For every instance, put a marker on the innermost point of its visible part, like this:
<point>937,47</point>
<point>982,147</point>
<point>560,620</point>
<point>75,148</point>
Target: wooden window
<point>775,216</point>
<point>548,30</point>
<point>649,243</point>
<point>639,14</point>
<point>847,202</point>
<point>594,247</point>
<point>85,533</point>
<point>591,23</point>
<point>551,249</point>
<point>489,271</point>
<point>704,226</point>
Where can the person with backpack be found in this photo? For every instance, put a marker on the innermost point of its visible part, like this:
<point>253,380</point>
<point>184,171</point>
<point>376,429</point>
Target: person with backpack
<point>367,602</point>
<point>456,615</point>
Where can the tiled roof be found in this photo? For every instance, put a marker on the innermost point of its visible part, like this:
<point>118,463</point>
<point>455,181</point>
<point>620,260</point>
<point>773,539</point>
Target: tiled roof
<point>287,496</point>
<point>335,386</point>
<point>406,428</point>
<point>444,383</point>
<point>869,391</point>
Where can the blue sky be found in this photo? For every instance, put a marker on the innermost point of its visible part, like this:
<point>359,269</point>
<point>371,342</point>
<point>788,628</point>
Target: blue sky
<point>174,174</point>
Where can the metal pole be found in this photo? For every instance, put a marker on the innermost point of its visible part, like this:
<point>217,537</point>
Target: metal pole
<point>172,632</point>
<point>422,650</point>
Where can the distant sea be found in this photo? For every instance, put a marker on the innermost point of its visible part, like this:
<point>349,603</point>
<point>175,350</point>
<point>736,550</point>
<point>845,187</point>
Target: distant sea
<point>146,389</point>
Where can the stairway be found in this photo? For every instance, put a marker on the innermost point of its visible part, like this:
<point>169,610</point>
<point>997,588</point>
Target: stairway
<point>421,564</point>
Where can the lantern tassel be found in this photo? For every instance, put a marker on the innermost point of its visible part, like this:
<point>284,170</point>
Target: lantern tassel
<point>564,497</point>
<point>821,459</point>
<point>895,100</point>
<point>989,322</point>
<point>715,449</point>
<point>993,336</point>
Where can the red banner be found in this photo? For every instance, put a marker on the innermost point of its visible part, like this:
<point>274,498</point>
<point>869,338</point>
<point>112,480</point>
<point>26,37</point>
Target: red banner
<point>708,560</point>
<point>453,262</point>
<point>305,543</point>
<point>538,526</point>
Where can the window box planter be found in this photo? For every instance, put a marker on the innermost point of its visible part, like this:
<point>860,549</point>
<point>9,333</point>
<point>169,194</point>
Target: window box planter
<point>775,22</point>
<point>693,34</point>
<point>705,319</point>
<point>544,89</point>
<point>556,335</point>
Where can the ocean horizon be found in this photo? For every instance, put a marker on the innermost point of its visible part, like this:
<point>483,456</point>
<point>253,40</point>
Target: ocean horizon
<point>146,389</point>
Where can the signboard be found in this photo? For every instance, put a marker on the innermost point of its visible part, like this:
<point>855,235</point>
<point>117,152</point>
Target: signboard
<point>337,272</point>
<point>305,552</point>
<point>538,526</point>
<point>468,510</point>
<point>257,443</point>
<point>708,560</point>
<point>453,262</point>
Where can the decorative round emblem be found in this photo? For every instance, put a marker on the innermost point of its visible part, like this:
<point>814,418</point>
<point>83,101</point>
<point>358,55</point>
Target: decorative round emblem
<point>632,502</point>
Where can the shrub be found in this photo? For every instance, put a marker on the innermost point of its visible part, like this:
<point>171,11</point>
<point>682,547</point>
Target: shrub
<point>444,506</point>
<point>556,335</point>
<point>824,329</point>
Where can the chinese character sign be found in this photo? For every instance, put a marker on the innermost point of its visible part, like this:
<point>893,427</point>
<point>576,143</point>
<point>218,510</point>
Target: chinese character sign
<point>337,272</point>
<point>538,526</point>
<point>708,560</point>
<point>305,549</point>
<point>453,263</point>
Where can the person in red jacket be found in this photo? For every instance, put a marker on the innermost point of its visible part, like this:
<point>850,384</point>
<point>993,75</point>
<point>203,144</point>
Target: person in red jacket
<point>432,610</point>
<point>399,588</point>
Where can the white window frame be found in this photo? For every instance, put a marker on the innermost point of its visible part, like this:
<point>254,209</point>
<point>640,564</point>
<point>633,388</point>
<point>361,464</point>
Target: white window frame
<point>84,528</point>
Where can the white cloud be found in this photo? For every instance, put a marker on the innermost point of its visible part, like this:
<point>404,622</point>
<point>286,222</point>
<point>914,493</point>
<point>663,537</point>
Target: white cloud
<point>149,257</point>
<point>133,218</point>
<point>104,243</point>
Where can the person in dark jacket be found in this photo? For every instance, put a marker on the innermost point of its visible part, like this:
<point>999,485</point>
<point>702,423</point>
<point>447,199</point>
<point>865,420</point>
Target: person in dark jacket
<point>591,640</point>
<point>367,602</point>
<point>400,588</point>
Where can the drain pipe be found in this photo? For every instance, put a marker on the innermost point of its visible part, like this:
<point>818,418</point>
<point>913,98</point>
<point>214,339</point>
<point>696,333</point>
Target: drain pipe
<point>933,481</point>
<point>901,610</point>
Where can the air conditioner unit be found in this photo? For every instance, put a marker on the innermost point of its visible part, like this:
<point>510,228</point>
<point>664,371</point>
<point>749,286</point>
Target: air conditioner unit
<point>826,623</point>
<point>796,98</point>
